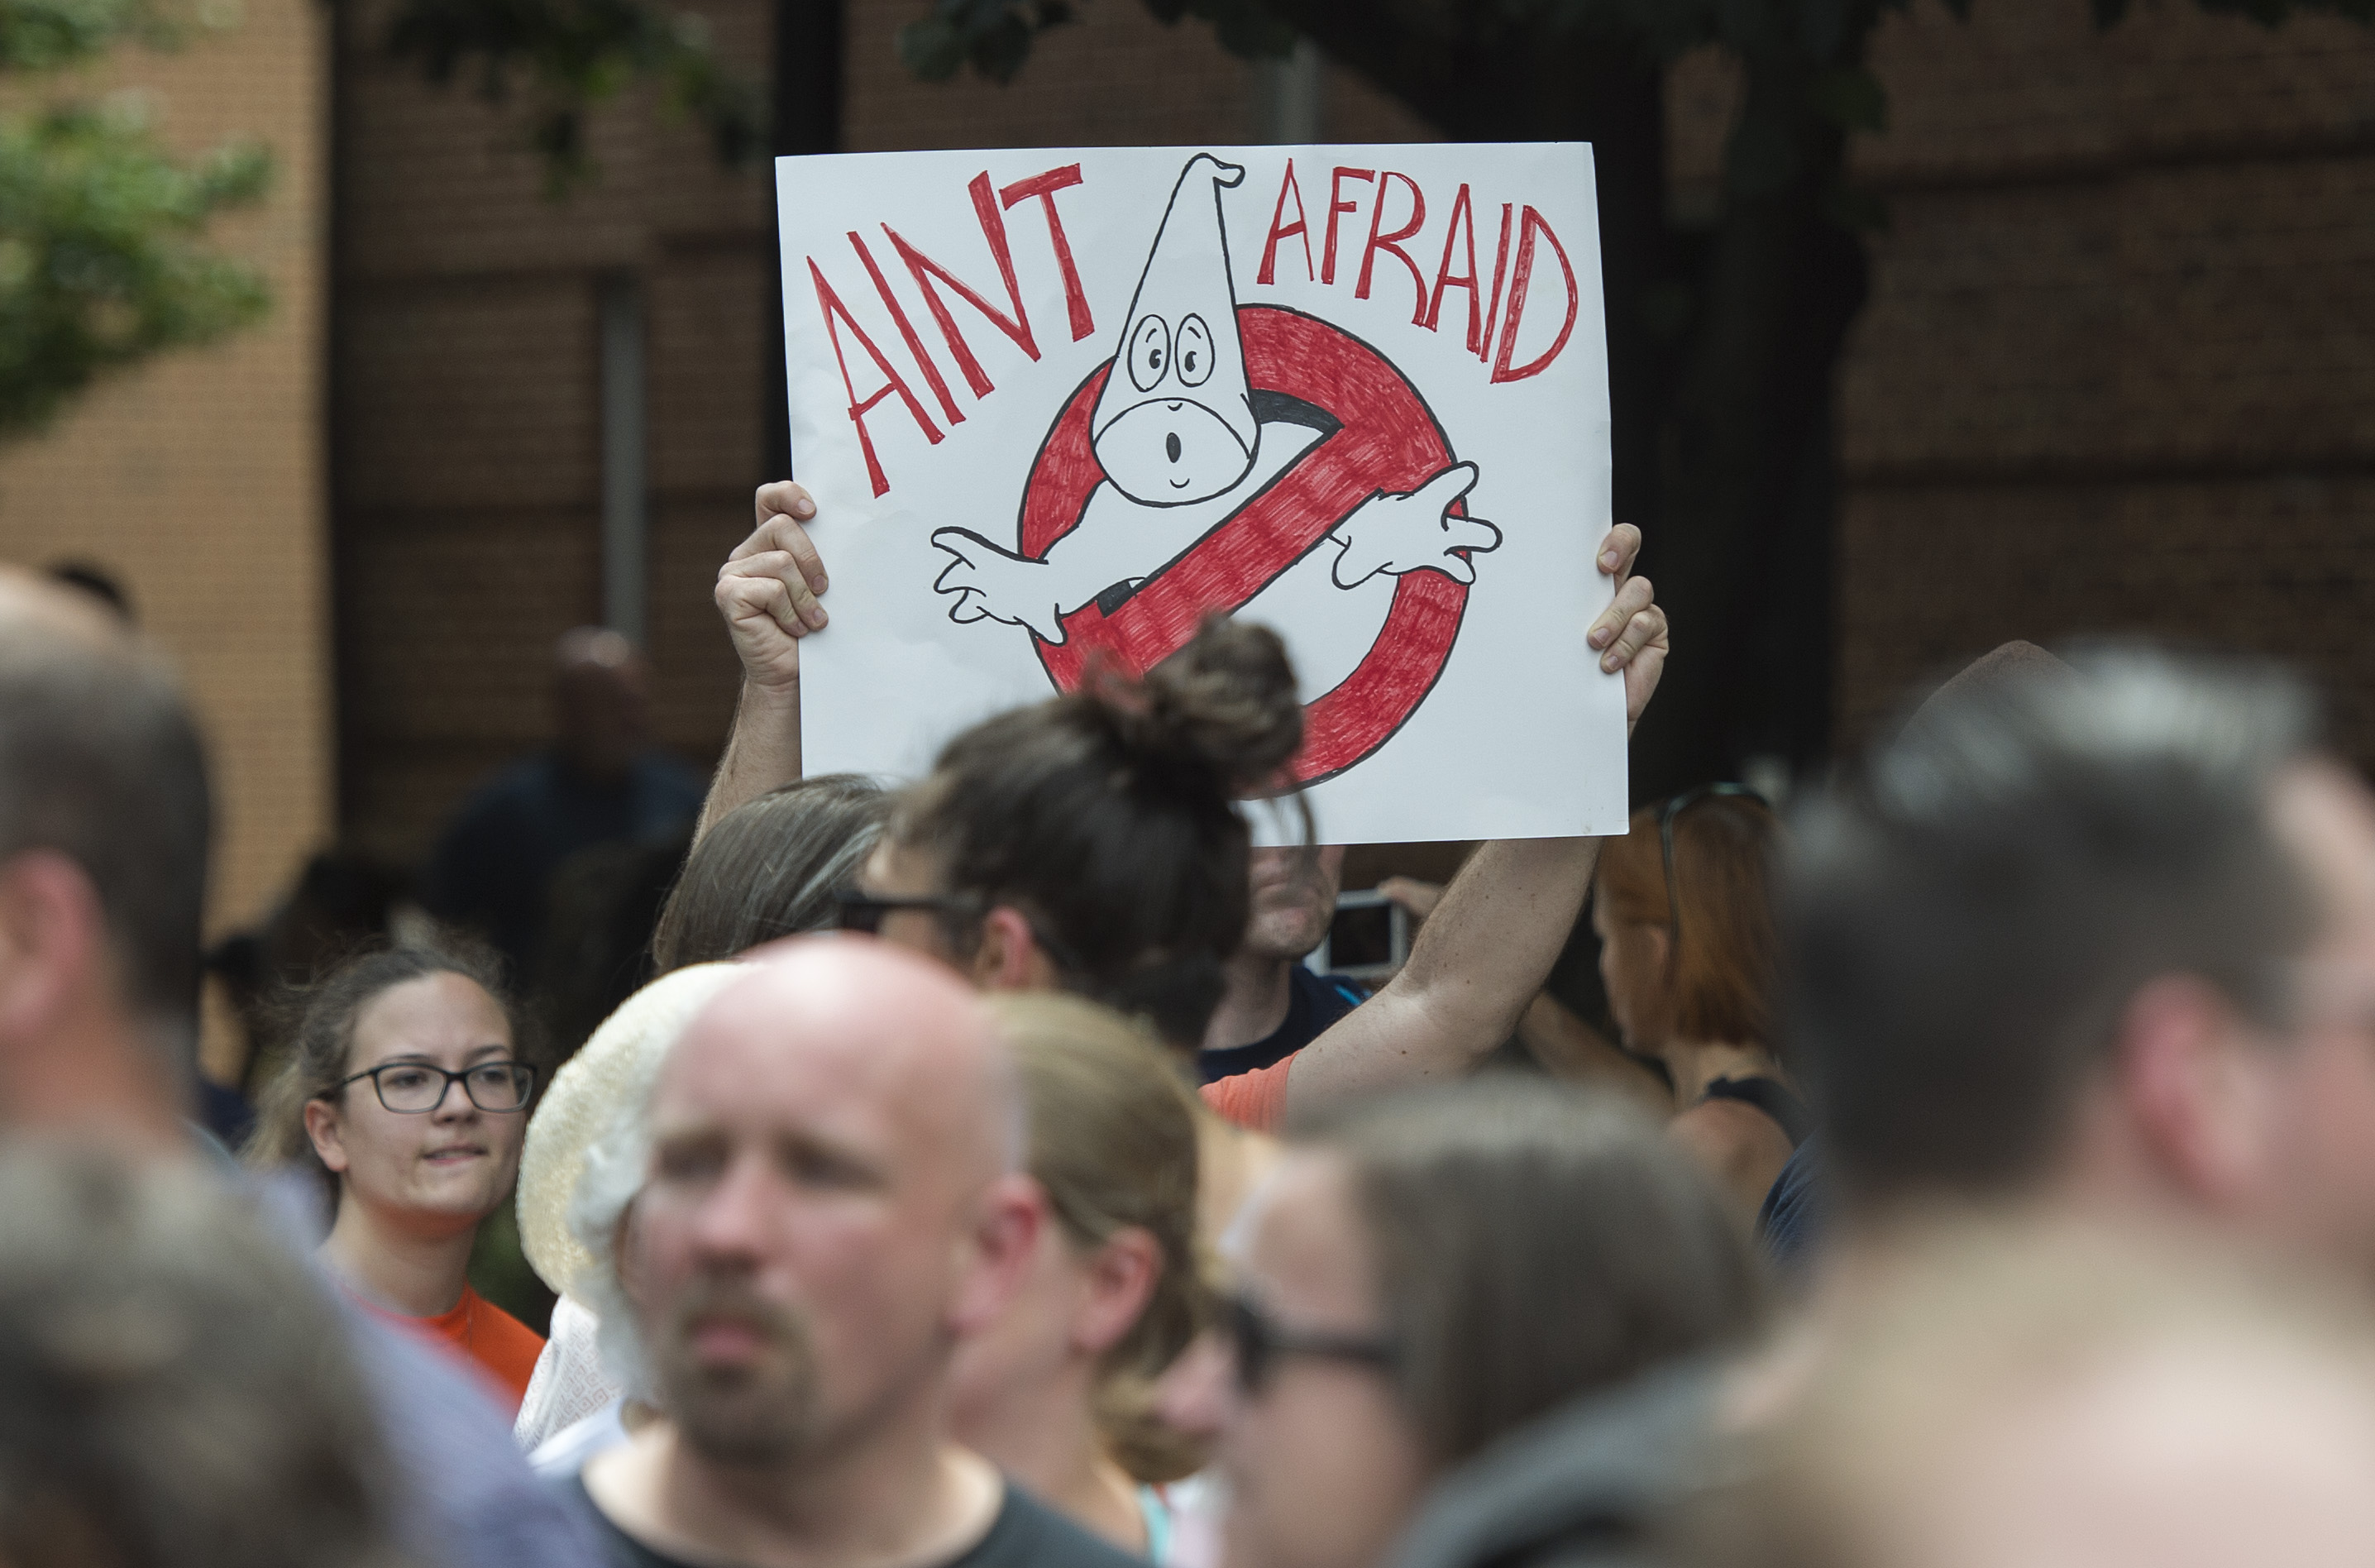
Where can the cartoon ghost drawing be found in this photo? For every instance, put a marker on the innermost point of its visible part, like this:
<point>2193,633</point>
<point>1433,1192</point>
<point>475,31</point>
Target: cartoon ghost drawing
<point>1185,441</point>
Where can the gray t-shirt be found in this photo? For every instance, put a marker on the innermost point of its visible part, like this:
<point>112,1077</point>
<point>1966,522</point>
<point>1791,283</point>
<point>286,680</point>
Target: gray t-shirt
<point>1026,1534</point>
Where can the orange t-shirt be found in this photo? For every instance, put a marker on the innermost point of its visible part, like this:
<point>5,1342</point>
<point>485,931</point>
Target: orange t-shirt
<point>1256,1099</point>
<point>483,1332</point>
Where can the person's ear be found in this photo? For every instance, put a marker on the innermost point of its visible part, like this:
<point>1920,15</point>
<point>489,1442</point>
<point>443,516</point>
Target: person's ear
<point>1004,1235</point>
<point>626,1259</point>
<point>1121,1277</point>
<point>1009,957</point>
<point>327,1129</point>
<point>2193,1079</point>
<point>52,941</point>
<point>1194,1395</point>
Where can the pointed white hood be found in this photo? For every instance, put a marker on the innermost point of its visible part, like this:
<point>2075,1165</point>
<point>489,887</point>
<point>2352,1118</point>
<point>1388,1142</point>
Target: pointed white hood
<point>1176,423</point>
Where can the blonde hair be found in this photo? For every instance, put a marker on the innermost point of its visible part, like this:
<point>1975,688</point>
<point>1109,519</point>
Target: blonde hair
<point>1112,1142</point>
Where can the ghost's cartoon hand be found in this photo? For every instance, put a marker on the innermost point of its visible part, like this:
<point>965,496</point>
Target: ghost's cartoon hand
<point>1414,533</point>
<point>995,584</point>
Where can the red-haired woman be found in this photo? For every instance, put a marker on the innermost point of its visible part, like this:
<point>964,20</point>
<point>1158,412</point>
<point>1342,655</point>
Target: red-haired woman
<point>1686,925</point>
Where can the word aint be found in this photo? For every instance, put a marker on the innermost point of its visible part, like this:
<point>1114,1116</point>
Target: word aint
<point>1486,321</point>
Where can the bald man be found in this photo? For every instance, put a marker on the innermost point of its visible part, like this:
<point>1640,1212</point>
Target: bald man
<point>831,1198</point>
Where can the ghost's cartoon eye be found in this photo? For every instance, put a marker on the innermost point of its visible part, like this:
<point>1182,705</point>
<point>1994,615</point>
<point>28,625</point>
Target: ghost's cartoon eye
<point>1194,352</point>
<point>1149,350</point>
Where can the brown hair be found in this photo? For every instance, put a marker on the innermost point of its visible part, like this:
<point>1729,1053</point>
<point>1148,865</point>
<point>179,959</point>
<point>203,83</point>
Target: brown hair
<point>324,1041</point>
<point>769,868</point>
<point>1532,1242</point>
<point>1108,816</point>
<point>1721,972</point>
<point>1112,1142</point>
<point>101,761</point>
<point>174,1388</point>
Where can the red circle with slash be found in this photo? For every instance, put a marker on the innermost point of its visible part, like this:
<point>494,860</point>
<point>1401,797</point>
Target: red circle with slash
<point>1387,442</point>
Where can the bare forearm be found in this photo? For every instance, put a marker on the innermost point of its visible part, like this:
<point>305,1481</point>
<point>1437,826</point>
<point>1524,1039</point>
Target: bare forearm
<point>1478,960</point>
<point>1569,1048</point>
<point>762,752</point>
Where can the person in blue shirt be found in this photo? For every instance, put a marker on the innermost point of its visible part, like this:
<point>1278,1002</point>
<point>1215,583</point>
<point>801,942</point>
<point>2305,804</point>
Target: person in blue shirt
<point>1275,1004</point>
<point>602,782</point>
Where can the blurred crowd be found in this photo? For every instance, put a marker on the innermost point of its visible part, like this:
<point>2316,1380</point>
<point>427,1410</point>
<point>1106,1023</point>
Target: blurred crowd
<point>1975,1164</point>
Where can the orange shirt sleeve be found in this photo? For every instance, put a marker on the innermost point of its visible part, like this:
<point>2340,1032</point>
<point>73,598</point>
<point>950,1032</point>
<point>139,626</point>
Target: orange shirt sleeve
<point>1256,1099</point>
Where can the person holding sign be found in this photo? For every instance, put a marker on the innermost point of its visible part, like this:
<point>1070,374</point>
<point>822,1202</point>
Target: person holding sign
<point>1478,963</point>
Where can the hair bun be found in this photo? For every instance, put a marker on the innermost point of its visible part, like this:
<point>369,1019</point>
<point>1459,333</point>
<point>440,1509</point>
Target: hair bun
<point>1225,702</point>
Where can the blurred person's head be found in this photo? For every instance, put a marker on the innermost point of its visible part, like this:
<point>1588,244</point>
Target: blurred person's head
<point>1686,944</point>
<point>602,695</point>
<point>827,1196</point>
<point>104,823</point>
<point>1115,1289</point>
<point>2104,932</point>
<point>1091,843</point>
<point>1292,897</point>
<point>174,1388</point>
<point>2007,1399</point>
<point>403,1093</point>
<point>771,867</point>
<point>1428,1273</point>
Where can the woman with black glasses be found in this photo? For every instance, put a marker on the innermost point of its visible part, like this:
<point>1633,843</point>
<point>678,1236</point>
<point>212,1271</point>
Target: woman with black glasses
<point>404,1097</point>
<point>1426,1275</point>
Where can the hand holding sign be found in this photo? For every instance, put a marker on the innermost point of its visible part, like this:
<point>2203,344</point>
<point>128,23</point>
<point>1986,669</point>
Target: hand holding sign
<point>996,584</point>
<point>1633,627</point>
<point>1416,532</point>
<point>767,589</point>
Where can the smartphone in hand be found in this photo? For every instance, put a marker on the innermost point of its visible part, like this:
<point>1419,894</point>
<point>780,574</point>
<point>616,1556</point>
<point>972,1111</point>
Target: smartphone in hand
<point>1368,938</point>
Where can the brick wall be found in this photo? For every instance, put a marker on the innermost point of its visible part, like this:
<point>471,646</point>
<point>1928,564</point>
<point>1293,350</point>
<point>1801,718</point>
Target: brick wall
<point>2117,374</point>
<point>466,419</point>
<point>467,415</point>
<point>196,479</point>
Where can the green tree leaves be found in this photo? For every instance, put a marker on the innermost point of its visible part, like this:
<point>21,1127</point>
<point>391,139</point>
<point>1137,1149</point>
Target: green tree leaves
<point>103,252</point>
<point>574,55</point>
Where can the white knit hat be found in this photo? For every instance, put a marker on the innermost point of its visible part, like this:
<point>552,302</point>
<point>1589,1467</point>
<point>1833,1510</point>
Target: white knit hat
<point>617,1068</point>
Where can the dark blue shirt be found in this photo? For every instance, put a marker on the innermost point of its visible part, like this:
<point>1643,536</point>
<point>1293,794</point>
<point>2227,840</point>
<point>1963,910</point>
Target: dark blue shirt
<point>495,864</point>
<point>1791,1220</point>
<point>1313,1002</point>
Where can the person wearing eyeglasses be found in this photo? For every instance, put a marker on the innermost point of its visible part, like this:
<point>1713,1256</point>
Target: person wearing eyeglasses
<point>1426,1275</point>
<point>405,1095</point>
<point>1686,952</point>
<point>1092,844</point>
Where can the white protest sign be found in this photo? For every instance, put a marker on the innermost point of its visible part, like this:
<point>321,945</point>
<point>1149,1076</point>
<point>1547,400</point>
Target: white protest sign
<point>1058,407</point>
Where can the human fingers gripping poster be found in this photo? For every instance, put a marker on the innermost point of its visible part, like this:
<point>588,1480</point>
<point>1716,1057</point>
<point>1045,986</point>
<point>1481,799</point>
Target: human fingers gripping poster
<point>1058,408</point>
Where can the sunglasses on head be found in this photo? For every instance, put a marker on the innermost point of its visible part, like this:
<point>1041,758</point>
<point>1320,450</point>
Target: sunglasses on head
<point>1260,1342</point>
<point>1666,815</point>
<point>865,912</point>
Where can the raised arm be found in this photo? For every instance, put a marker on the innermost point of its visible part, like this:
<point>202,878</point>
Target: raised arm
<point>767,592</point>
<point>1486,952</point>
